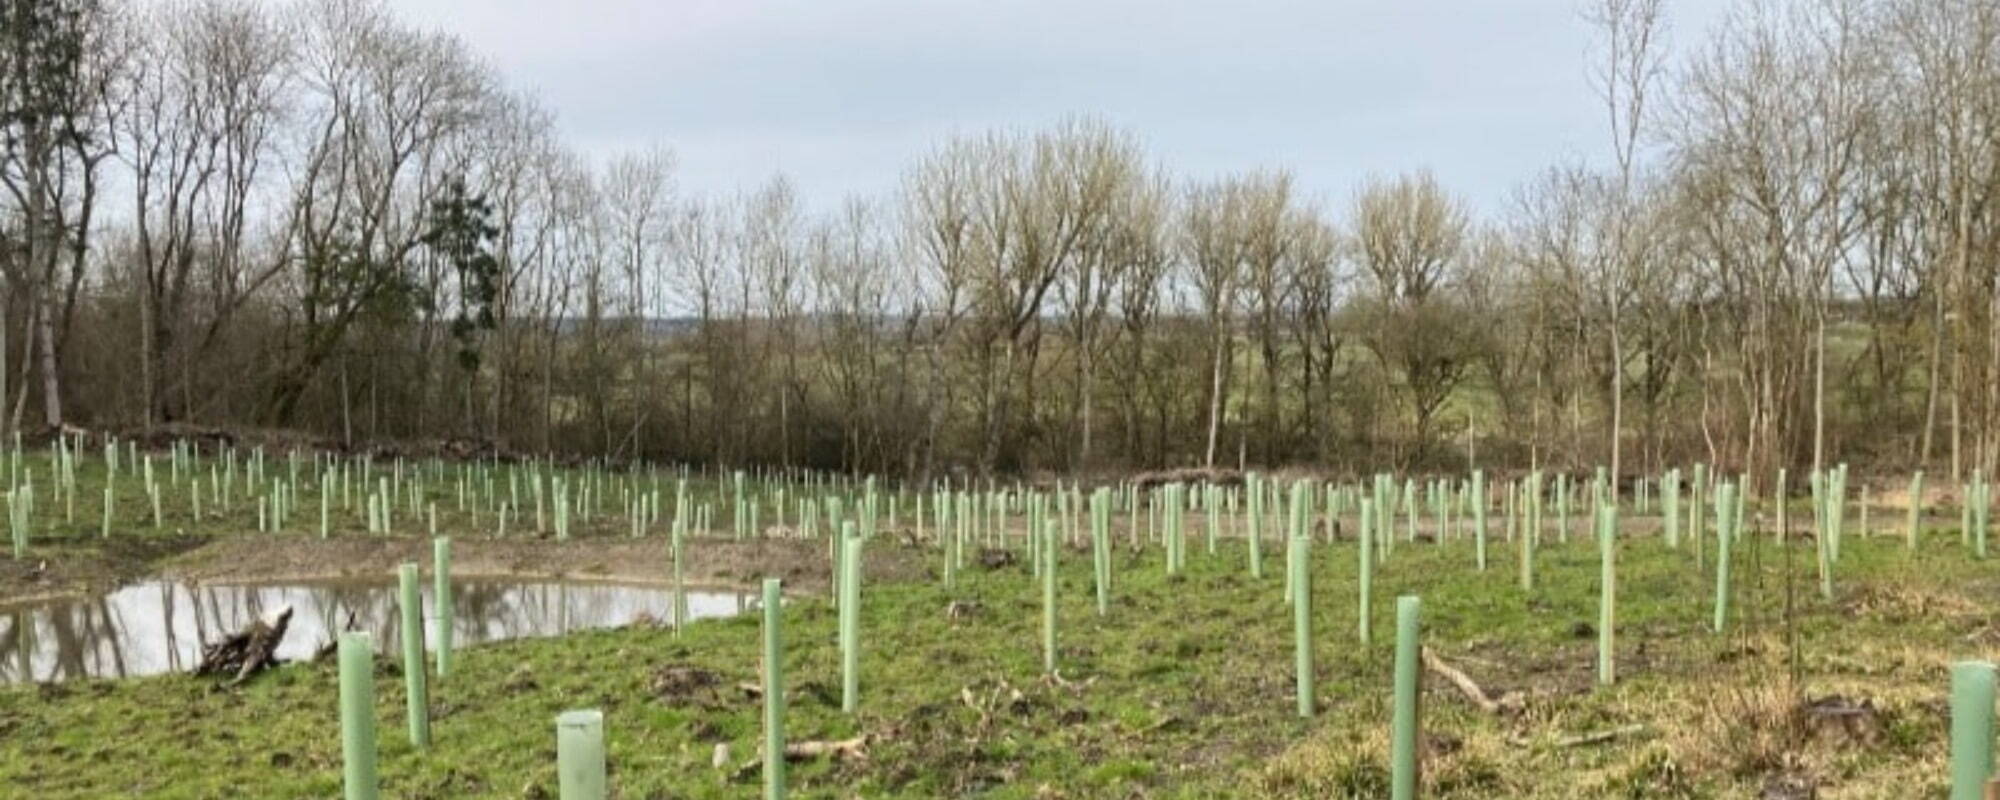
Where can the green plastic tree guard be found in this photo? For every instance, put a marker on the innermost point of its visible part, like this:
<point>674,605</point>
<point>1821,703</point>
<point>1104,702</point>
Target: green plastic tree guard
<point>1367,569</point>
<point>1725,538</point>
<point>357,716</point>
<point>1971,728</point>
<point>580,755</point>
<point>1302,620</point>
<point>774,692</point>
<point>441,597</point>
<point>850,618</point>
<point>1047,544</point>
<point>415,688</point>
<point>1403,734</point>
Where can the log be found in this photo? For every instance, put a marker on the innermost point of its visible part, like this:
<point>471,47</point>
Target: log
<point>248,651</point>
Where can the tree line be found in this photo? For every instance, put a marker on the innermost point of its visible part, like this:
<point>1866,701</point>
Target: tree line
<point>315,216</point>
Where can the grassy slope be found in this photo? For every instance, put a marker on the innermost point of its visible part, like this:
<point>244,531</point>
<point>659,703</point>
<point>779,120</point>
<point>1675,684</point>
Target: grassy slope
<point>68,553</point>
<point>1184,690</point>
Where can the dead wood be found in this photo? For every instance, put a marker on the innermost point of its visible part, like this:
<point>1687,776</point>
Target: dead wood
<point>1599,737</point>
<point>1508,702</point>
<point>245,652</point>
<point>855,749</point>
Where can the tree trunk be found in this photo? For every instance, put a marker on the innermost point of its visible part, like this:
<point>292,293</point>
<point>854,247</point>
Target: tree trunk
<point>52,411</point>
<point>1215,395</point>
<point>1617,404</point>
<point>27,359</point>
<point>4,420</point>
<point>1934,376</point>
<point>1819,392</point>
<point>1088,394</point>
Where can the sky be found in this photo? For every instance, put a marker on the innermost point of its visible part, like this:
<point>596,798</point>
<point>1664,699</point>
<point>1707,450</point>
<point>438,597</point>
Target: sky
<point>842,96</point>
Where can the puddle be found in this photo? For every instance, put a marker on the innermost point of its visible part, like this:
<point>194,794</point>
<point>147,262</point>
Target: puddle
<point>154,627</point>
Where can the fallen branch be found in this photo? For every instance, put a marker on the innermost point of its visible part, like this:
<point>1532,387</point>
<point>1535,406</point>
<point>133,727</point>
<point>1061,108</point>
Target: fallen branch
<point>1466,685</point>
<point>1599,737</point>
<point>843,749</point>
<point>854,748</point>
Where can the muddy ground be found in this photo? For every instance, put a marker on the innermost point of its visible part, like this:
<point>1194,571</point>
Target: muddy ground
<point>81,566</point>
<point>85,567</point>
<point>709,561</point>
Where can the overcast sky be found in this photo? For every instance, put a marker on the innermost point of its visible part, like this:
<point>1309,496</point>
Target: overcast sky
<point>843,95</point>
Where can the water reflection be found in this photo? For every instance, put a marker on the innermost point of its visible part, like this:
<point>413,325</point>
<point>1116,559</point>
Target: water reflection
<point>159,626</point>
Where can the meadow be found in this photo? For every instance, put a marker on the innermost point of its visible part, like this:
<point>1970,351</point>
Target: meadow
<point>1128,639</point>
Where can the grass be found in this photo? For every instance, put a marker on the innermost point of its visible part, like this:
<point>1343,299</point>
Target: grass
<point>1183,690</point>
<point>68,552</point>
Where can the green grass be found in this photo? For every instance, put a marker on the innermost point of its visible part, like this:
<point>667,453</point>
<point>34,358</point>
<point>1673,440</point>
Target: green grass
<point>1183,690</point>
<point>56,521</point>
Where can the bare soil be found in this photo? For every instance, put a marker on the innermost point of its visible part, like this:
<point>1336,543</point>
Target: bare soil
<point>85,567</point>
<point>803,565</point>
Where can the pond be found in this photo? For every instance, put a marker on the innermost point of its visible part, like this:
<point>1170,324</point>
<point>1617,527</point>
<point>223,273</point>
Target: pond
<point>155,627</point>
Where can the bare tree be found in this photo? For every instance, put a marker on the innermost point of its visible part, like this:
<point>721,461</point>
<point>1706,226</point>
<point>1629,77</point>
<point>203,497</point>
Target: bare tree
<point>638,197</point>
<point>774,270</point>
<point>700,233</point>
<point>1775,112</point>
<point>1630,32</point>
<point>1130,236</point>
<point>1319,288</point>
<point>292,210</point>
<point>384,105</point>
<point>849,259</point>
<point>1408,237</point>
<point>1944,63</point>
<point>206,96</point>
<point>55,75</point>
<point>1030,203</point>
<point>1214,250</point>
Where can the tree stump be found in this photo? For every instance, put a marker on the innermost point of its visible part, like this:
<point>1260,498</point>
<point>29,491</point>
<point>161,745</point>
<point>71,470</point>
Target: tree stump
<point>245,652</point>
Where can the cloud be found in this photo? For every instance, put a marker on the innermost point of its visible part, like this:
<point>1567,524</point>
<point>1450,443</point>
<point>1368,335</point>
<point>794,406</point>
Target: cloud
<point>843,94</point>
